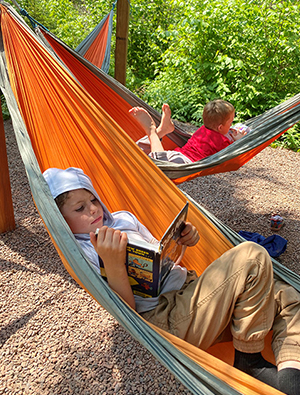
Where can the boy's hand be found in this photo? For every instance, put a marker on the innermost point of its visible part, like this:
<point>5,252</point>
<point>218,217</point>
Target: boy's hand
<point>189,235</point>
<point>110,244</point>
<point>237,134</point>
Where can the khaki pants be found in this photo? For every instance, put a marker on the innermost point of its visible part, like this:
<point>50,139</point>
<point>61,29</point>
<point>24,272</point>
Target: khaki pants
<point>237,291</point>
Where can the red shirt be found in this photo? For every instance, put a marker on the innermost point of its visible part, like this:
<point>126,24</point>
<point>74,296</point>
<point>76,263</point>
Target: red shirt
<point>204,142</point>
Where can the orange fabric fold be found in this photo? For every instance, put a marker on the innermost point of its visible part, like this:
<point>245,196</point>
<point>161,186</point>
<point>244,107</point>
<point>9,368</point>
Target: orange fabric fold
<point>96,52</point>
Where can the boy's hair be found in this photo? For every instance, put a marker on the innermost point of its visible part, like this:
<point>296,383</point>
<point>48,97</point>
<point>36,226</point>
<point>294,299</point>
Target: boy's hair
<point>61,199</point>
<point>216,112</point>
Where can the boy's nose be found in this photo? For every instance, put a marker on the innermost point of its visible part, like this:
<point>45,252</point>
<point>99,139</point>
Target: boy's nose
<point>93,208</point>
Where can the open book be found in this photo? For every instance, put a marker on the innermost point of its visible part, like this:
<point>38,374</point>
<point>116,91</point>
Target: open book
<point>149,264</point>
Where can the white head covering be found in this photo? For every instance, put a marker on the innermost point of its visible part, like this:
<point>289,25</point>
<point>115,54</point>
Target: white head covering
<point>61,181</point>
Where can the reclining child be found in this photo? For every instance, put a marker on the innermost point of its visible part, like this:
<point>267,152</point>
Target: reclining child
<point>215,135</point>
<point>236,291</point>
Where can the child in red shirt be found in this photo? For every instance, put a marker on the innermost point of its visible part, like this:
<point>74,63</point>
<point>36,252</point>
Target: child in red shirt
<point>212,137</point>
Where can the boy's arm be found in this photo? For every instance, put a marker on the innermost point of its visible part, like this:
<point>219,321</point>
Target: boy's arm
<point>111,244</point>
<point>181,255</point>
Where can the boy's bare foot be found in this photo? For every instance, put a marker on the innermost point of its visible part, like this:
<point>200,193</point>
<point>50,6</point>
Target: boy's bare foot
<point>144,118</point>
<point>166,124</point>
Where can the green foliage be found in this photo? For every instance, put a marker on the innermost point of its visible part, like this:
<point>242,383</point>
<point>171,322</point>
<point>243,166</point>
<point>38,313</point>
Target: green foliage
<point>289,140</point>
<point>149,36</point>
<point>245,52</point>
<point>5,112</point>
<point>71,21</point>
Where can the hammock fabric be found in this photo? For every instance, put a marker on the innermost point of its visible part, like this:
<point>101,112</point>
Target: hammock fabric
<point>116,100</point>
<point>58,124</point>
<point>96,46</point>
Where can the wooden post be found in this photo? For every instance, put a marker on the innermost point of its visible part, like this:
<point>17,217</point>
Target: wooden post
<point>121,40</point>
<point>7,219</point>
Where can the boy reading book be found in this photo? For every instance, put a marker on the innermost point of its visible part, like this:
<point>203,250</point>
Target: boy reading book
<point>236,291</point>
<point>149,264</point>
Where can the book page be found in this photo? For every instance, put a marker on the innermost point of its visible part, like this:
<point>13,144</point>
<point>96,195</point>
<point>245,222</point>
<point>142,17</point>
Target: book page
<point>171,251</point>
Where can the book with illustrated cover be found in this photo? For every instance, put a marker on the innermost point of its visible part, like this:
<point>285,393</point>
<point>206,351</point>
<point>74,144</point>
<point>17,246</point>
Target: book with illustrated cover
<point>149,264</point>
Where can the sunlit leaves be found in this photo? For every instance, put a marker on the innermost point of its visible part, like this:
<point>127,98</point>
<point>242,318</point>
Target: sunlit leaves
<point>246,52</point>
<point>71,21</point>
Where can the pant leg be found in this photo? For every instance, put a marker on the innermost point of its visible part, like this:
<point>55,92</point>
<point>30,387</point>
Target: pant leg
<point>236,289</point>
<point>170,156</point>
<point>144,144</point>
<point>286,327</point>
<point>166,156</point>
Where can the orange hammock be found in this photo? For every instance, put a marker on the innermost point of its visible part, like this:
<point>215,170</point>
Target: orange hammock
<point>58,124</point>
<point>117,100</point>
<point>96,46</point>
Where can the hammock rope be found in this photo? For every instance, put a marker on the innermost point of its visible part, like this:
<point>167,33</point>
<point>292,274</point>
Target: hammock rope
<point>34,23</point>
<point>58,124</point>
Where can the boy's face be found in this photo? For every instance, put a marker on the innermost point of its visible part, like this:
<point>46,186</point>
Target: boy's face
<point>224,127</point>
<point>82,211</point>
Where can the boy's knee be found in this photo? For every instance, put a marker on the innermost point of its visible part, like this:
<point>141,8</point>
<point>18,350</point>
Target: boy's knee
<point>287,296</point>
<point>253,252</point>
<point>254,249</point>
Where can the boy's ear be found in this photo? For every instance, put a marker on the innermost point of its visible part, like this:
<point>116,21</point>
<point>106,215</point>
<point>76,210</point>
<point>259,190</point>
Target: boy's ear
<point>220,128</point>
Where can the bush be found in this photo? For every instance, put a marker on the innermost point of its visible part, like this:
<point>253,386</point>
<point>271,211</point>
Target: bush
<point>149,37</point>
<point>5,112</point>
<point>244,52</point>
<point>71,21</point>
<point>289,140</point>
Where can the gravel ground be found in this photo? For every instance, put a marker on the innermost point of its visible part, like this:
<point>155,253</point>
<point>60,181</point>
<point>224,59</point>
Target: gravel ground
<point>55,339</point>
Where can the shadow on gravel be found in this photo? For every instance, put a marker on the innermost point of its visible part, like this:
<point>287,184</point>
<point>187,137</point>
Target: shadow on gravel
<point>35,251</point>
<point>10,329</point>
